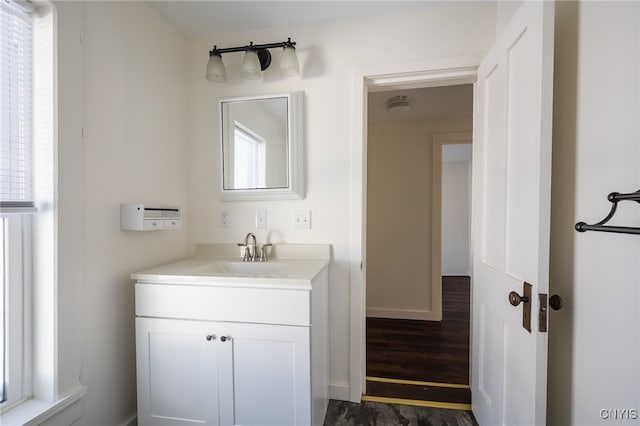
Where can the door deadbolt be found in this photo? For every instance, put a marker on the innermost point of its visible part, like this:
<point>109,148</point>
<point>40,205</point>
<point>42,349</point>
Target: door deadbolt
<point>555,302</point>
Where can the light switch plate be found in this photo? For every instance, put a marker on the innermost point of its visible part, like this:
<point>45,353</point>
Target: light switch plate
<point>261,219</point>
<point>302,219</point>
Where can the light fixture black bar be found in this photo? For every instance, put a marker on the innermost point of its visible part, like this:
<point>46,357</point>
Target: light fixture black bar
<point>250,46</point>
<point>161,209</point>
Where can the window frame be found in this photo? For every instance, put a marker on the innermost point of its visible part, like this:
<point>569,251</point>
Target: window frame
<point>16,206</point>
<point>257,160</point>
<point>16,269</point>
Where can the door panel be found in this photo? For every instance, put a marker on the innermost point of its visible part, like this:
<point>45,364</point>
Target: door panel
<point>177,373</point>
<point>493,157</point>
<point>512,182</point>
<point>522,174</point>
<point>270,374</point>
<point>492,339</point>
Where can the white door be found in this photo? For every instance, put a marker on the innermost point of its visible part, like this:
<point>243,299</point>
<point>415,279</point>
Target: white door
<point>511,204</point>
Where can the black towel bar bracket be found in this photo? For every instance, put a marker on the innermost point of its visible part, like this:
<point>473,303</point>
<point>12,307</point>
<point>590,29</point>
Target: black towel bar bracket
<point>614,198</point>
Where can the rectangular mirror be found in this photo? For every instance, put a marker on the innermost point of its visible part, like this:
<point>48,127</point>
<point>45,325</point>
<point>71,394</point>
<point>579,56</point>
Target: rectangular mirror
<point>261,147</point>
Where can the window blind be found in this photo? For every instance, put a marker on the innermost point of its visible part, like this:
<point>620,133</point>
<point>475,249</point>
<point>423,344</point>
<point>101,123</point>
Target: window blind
<point>16,100</point>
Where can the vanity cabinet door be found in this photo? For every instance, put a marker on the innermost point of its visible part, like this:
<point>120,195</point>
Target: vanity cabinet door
<point>217,373</point>
<point>268,375</point>
<point>177,372</point>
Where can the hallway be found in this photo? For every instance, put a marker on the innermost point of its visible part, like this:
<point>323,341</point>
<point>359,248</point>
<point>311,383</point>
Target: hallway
<point>423,360</point>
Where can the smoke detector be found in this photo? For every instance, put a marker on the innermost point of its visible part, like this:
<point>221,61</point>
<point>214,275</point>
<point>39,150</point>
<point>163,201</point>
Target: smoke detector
<point>398,104</point>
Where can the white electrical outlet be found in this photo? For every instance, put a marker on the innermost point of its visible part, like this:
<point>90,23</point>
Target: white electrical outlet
<point>261,219</point>
<point>302,219</point>
<point>225,219</point>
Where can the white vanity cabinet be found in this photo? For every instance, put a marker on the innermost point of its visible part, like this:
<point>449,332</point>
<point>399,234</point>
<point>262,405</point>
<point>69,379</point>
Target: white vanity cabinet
<point>232,352</point>
<point>254,377</point>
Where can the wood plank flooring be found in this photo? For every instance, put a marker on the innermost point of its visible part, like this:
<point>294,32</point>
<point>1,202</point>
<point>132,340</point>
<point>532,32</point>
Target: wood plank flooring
<point>424,351</point>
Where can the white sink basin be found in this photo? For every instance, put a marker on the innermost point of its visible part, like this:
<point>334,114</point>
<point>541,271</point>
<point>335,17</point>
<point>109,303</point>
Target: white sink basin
<point>251,268</point>
<point>210,270</point>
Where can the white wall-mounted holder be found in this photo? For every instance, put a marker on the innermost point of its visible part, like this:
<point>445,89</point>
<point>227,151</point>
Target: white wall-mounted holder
<point>138,217</point>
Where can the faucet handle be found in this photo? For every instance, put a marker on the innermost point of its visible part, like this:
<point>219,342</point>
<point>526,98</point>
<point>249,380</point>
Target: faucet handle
<point>247,254</point>
<point>263,253</point>
<point>243,251</point>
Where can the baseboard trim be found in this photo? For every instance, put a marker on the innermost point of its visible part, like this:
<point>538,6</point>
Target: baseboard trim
<point>132,420</point>
<point>457,273</point>
<point>410,314</point>
<point>339,391</point>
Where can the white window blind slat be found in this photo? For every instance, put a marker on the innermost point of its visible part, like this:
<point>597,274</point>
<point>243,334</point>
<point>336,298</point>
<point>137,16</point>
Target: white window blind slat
<point>16,100</point>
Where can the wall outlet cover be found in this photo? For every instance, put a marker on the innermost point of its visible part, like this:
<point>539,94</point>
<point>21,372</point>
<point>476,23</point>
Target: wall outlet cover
<point>225,218</point>
<point>302,219</point>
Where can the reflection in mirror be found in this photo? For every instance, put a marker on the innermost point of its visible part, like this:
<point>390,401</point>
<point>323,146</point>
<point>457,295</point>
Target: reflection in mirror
<point>261,152</point>
<point>255,144</point>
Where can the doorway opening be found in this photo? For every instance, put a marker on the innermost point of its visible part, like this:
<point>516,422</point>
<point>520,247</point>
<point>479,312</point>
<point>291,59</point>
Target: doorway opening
<point>418,248</point>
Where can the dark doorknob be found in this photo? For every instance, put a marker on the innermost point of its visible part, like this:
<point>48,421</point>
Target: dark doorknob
<point>555,302</point>
<point>515,299</point>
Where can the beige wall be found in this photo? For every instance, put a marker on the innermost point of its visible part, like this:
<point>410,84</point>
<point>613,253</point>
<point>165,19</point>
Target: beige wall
<point>135,93</point>
<point>121,83</point>
<point>399,203</point>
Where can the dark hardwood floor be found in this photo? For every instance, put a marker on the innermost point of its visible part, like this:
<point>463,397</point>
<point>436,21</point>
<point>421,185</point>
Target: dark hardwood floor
<point>424,351</point>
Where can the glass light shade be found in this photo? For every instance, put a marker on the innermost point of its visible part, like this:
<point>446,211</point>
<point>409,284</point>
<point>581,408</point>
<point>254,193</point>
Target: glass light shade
<point>289,62</point>
<point>215,69</point>
<point>251,69</point>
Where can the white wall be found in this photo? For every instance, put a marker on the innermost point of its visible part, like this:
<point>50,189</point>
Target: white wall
<point>70,193</point>
<point>328,55</point>
<point>456,213</point>
<point>594,341</point>
<point>133,66</point>
<point>399,204</point>
<point>134,88</point>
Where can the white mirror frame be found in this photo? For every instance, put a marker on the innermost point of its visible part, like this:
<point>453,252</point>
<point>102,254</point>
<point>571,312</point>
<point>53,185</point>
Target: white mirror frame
<point>295,171</point>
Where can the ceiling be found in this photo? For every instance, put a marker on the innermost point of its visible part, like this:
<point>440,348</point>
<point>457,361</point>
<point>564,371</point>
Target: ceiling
<point>201,18</point>
<point>433,103</point>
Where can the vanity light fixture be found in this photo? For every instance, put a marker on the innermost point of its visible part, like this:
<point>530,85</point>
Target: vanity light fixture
<point>398,104</point>
<point>257,58</point>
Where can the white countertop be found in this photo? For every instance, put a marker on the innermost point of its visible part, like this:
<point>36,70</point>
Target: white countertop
<point>217,268</point>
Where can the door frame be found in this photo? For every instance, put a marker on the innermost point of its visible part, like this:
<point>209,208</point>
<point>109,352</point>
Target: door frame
<point>439,141</point>
<point>434,72</point>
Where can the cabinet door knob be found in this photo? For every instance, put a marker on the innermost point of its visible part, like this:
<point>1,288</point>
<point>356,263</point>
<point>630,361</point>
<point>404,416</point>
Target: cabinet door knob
<point>210,337</point>
<point>224,338</point>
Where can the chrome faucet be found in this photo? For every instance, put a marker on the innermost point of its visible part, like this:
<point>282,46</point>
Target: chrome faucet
<point>250,250</point>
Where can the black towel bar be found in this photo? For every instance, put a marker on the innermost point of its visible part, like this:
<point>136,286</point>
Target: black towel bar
<point>614,198</point>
